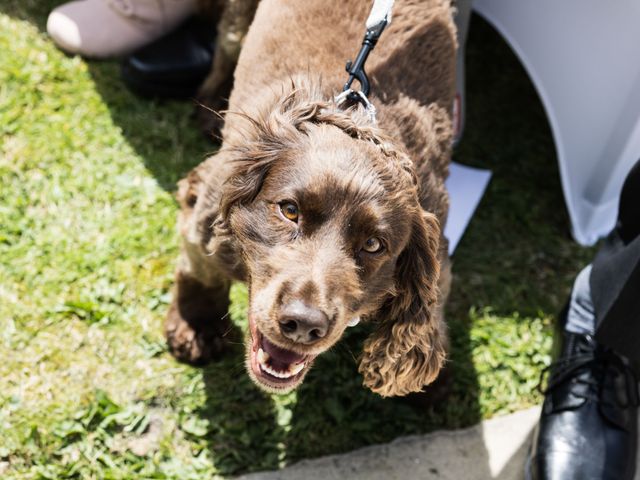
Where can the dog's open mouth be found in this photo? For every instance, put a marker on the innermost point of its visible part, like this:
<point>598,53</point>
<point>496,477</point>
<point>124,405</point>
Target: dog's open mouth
<point>273,366</point>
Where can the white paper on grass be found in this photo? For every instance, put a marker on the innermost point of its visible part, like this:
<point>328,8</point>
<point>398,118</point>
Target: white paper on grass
<point>466,186</point>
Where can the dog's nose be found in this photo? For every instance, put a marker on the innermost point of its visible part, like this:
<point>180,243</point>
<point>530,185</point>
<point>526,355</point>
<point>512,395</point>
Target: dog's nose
<point>303,324</point>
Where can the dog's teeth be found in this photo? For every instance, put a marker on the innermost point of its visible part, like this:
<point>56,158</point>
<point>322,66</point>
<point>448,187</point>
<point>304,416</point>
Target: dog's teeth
<point>353,322</point>
<point>296,369</point>
<point>291,371</point>
<point>273,372</point>
<point>263,357</point>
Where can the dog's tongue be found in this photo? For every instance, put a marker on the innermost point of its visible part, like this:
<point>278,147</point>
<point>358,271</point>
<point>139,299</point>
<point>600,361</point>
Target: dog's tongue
<point>280,355</point>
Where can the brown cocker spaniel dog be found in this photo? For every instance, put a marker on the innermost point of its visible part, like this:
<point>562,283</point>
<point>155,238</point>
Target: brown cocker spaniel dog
<point>328,217</point>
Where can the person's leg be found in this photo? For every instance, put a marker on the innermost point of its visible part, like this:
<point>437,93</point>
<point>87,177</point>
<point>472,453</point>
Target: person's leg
<point>580,312</point>
<point>615,280</point>
<point>629,211</point>
<point>588,426</point>
<point>105,29</point>
<point>614,277</point>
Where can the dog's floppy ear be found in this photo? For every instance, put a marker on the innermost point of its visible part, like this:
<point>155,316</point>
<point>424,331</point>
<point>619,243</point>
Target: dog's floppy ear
<point>407,350</point>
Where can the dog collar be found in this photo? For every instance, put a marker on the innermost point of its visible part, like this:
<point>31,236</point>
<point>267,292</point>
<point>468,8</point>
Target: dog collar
<point>350,94</point>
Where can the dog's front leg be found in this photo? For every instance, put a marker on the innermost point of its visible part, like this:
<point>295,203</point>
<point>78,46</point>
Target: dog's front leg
<point>197,326</point>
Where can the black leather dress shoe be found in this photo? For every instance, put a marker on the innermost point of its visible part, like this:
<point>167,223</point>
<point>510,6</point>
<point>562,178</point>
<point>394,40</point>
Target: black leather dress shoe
<point>173,66</point>
<point>588,425</point>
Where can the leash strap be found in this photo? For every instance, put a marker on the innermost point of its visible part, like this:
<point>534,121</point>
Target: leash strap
<point>378,19</point>
<point>381,11</point>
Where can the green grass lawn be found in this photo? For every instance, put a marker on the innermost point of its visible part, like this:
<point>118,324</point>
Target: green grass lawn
<point>87,247</point>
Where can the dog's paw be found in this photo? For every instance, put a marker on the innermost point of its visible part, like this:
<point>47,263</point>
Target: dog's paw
<point>196,342</point>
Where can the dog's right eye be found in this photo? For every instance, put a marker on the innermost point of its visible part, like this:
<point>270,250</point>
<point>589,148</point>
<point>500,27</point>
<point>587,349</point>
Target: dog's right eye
<point>290,211</point>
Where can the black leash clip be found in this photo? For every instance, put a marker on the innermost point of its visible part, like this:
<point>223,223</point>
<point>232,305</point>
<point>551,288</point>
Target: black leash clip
<point>355,69</point>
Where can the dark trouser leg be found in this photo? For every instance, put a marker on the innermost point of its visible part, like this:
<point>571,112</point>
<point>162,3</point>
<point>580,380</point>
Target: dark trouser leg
<point>615,276</point>
<point>588,426</point>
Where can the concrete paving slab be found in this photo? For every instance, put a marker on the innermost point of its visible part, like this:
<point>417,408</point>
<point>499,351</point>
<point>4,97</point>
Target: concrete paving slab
<point>494,449</point>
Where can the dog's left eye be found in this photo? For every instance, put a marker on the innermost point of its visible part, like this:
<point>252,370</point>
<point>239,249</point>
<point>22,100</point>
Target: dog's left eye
<point>290,211</point>
<point>372,245</point>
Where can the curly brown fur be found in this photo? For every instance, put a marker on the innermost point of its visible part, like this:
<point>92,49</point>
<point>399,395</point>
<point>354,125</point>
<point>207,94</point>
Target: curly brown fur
<point>353,184</point>
<point>407,350</point>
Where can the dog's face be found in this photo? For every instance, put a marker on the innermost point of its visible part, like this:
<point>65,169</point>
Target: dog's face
<point>325,223</point>
<point>320,243</point>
